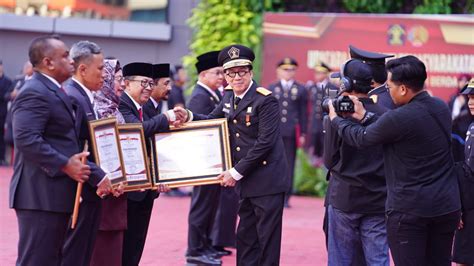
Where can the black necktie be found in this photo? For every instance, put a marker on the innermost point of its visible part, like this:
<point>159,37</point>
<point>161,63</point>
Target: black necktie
<point>236,102</point>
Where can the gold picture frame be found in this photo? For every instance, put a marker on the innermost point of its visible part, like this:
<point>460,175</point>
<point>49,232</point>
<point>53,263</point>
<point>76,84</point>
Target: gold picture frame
<point>191,155</point>
<point>136,161</point>
<point>106,148</point>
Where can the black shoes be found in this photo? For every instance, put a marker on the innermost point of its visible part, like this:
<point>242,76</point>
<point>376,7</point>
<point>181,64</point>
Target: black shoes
<point>220,251</point>
<point>202,260</point>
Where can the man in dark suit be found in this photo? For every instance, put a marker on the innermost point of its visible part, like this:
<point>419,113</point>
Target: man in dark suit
<point>5,87</point>
<point>88,64</point>
<point>205,199</point>
<point>317,92</point>
<point>376,61</point>
<point>293,104</point>
<point>46,126</point>
<point>160,92</point>
<point>260,171</point>
<point>176,97</point>
<point>139,85</point>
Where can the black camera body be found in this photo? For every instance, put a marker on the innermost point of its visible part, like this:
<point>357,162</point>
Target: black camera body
<point>342,104</point>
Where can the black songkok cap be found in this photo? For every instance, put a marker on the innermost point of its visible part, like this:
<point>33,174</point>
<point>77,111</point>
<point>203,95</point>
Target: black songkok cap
<point>161,71</point>
<point>207,61</point>
<point>286,62</point>
<point>469,88</point>
<point>368,57</point>
<point>236,55</point>
<point>138,69</point>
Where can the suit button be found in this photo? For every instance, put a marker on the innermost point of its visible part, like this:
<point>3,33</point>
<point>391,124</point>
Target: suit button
<point>237,149</point>
<point>285,95</point>
<point>285,103</point>
<point>237,135</point>
<point>234,121</point>
<point>284,111</point>
<point>264,162</point>
<point>283,119</point>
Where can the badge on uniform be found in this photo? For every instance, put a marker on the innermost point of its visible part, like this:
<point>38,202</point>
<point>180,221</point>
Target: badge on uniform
<point>294,93</point>
<point>226,108</point>
<point>247,116</point>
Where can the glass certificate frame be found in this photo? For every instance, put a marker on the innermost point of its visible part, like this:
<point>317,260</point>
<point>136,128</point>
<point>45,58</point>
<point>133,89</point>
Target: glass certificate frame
<point>193,154</point>
<point>136,162</point>
<point>106,148</point>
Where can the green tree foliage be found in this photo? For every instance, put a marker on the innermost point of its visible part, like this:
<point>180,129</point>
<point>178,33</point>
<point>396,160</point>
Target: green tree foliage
<point>434,7</point>
<point>372,6</point>
<point>219,23</point>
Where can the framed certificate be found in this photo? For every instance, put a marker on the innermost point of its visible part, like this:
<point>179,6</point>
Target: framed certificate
<point>106,148</point>
<point>194,154</point>
<point>136,162</point>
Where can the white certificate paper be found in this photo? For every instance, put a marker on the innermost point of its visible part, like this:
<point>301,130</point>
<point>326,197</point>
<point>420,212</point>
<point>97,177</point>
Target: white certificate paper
<point>132,152</point>
<point>108,152</point>
<point>189,153</point>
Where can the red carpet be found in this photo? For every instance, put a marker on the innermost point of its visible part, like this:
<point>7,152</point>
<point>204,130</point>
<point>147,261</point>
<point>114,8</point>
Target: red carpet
<point>302,243</point>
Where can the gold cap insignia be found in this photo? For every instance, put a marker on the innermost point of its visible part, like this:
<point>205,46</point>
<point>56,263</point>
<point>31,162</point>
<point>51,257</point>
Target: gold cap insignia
<point>287,61</point>
<point>233,52</point>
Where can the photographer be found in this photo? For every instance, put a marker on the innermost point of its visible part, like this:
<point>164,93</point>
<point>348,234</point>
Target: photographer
<point>422,192</point>
<point>357,189</point>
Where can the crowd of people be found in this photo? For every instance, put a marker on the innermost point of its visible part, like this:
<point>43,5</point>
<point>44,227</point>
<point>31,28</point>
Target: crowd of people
<point>394,186</point>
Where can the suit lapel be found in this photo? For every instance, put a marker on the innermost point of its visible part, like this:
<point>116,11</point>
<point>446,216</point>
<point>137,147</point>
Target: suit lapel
<point>246,101</point>
<point>130,103</point>
<point>86,98</point>
<point>59,93</point>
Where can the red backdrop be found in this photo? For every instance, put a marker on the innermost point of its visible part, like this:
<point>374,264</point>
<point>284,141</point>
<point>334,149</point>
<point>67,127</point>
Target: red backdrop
<point>444,43</point>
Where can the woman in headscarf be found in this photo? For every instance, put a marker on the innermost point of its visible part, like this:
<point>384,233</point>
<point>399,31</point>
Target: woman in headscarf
<point>109,241</point>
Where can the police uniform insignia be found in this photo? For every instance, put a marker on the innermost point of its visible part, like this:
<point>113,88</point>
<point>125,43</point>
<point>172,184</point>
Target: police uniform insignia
<point>277,89</point>
<point>233,52</point>
<point>263,91</point>
<point>247,116</point>
<point>287,61</point>
<point>228,88</point>
<point>294,91</point>
<point>374,98</point>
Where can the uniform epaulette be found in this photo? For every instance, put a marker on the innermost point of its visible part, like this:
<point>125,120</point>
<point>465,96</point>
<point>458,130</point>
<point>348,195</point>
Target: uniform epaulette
<point>263,91</point>
<point>228,88</point>
<point>374,98</point>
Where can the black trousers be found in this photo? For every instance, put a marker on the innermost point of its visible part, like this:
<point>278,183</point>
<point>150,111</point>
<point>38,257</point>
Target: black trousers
<point>290,149</point>
<point>225,223</point>
<point>138,220</point>
<point>79,244</point>
<point>41,239</point>
<point>259,230</point>
<point>204,202</point>
<point>419,241</point>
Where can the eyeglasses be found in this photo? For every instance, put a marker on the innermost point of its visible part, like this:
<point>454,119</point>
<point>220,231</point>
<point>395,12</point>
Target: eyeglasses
<point>145,83</point>
<point>119,78</point>
<point>289,69</point>
<point>240,73</point>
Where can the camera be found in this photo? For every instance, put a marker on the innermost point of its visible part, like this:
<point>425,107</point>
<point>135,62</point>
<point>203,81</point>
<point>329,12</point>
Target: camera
<point>342,104</point>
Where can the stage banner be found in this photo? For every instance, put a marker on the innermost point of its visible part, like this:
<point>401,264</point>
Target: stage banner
<point>445,43</point>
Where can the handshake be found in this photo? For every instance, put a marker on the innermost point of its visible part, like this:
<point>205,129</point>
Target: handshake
<point>178,116</point>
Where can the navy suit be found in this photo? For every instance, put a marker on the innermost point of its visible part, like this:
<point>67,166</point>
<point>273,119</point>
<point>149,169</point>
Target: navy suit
<point>293,106</point>
<point>259,155</point>
<point>80,241</point>
<point>46,125</point>
<point>140,204</point>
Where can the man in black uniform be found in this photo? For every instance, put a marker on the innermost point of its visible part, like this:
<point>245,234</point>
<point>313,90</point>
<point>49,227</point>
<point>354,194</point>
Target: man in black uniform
<point>138,86</point>
<point>258,155</point>
<point>464,240</point>
<point>357,190</point>
<point>423,203</point>
<point>376,61</point>
<point>160,92</point>
<point>205,199</point>
<point>316,94</point>
<point>293,99</point>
